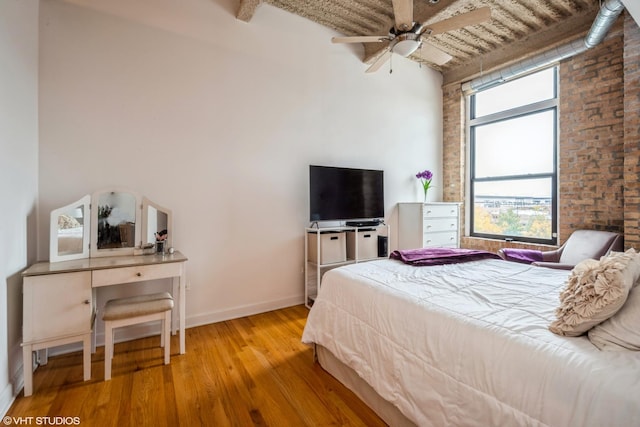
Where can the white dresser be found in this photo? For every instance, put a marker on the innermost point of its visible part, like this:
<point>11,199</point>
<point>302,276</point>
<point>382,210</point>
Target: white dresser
<point>423,225</point>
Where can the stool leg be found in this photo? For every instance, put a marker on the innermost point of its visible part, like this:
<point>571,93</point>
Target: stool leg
<point>113,342</point>
<point>108,350</point>
<point>162,337</point>
<point>86,356</point>
<point>166,334</point>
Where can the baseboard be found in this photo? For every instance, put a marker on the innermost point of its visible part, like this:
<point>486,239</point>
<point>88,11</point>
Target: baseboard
<point>242,311</point>
<point>16,379</point>
<point>6,399</point>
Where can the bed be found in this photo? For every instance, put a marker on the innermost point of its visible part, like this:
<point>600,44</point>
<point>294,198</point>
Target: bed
<point>70,240</point>
<point>466,344</point>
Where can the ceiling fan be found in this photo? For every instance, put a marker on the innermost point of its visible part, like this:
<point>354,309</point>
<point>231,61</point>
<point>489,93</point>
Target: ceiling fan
<point>406,36</point>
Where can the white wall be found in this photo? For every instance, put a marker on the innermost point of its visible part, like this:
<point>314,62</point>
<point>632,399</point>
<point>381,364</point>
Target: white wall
<point>218,120</point>
<point>18,177</point>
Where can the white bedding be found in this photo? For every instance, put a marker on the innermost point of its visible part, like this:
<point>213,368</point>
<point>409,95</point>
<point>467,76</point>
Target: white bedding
<point>468,344</point>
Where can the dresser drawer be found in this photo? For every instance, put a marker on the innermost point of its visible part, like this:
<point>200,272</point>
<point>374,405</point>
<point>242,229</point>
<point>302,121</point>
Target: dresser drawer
<point>443,239</point>
<point>440,224</point>
<point>114,276</point>
<point>439,211</point>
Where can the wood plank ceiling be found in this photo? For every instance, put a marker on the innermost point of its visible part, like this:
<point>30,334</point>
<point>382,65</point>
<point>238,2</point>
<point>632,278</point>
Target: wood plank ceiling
<point>518,29</point>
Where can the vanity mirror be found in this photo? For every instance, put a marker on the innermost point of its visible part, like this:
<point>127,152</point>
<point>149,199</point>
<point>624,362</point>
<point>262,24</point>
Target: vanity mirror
<point>69,231</point>
<point>156,221</point>
<point>111,222</point>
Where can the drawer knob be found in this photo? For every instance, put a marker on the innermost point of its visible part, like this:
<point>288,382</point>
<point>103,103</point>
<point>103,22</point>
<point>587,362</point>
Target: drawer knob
<point>87,302</point>
<point>139,274</point>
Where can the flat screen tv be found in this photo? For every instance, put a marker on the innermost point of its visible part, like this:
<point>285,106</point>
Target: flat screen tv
<point>337,194</point>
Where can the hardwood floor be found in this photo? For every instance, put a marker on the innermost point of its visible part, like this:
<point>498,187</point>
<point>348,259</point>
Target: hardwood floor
<point>242,372</point>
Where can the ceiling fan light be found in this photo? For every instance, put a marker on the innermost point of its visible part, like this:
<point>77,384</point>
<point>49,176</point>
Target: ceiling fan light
<point>405,47</point>
<point>405,44</point>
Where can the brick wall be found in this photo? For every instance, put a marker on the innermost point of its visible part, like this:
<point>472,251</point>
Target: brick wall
<point>453,149</point>
<point>599,141</point>
<point>591,140</point>
<point>631,133</point>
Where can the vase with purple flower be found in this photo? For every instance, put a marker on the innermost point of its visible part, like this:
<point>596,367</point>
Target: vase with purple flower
<point>425,178</point>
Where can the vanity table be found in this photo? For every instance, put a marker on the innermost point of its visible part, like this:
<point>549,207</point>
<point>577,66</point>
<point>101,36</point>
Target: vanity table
<point>114,236</point>
<point>60,299</point>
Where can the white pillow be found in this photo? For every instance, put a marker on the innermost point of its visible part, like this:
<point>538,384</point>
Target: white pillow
<point>621,331</point>
<point>595,291</point>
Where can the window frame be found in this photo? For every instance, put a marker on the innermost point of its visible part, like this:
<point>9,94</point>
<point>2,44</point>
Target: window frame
<point>513,113</point>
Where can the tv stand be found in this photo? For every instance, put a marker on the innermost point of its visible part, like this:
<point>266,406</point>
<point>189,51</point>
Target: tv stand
<point>364,223</point>
<point>330,247</point>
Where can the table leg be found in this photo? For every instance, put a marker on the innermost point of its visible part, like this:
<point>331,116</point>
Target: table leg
<point>27,368</point>
<point>182,305</point>
<point>86,356</point>
<point>175,282</point>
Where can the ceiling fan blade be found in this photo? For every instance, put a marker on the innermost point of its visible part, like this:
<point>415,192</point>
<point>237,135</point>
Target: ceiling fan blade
<point>403,14</point>
<point>359,39</point>
<point>432,54</point>
<point>379,62</point>
<point>470,18</point>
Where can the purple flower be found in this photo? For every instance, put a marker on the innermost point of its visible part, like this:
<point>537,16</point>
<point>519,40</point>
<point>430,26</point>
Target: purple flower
<point>428,175</point>
<point>425,177</point>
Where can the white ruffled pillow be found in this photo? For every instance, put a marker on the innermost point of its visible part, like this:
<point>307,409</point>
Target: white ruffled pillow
<point>595,291</point>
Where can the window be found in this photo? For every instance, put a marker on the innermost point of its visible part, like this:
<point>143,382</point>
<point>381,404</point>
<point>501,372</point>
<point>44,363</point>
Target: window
<point>513,160</point>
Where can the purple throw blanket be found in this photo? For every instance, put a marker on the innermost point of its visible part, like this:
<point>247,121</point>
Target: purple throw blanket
<point>438,256</point>
<point>525,256</point>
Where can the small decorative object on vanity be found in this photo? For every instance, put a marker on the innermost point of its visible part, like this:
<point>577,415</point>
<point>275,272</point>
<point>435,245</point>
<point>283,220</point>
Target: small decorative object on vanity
<point>161,239</point>
<point>425,178</point>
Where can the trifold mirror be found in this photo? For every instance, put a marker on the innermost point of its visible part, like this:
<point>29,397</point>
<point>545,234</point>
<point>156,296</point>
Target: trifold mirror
<point>110,222</point>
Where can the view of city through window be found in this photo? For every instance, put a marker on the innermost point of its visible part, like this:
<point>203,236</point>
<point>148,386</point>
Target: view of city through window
<point>513,216</point>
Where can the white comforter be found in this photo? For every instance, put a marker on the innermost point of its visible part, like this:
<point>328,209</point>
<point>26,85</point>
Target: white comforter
<point>468,344</point>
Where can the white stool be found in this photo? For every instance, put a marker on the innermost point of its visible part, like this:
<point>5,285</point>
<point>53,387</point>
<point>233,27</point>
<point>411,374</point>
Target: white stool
<point>132,310</point>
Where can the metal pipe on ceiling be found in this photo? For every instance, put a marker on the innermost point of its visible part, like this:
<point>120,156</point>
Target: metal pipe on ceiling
<point>607,15</point>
